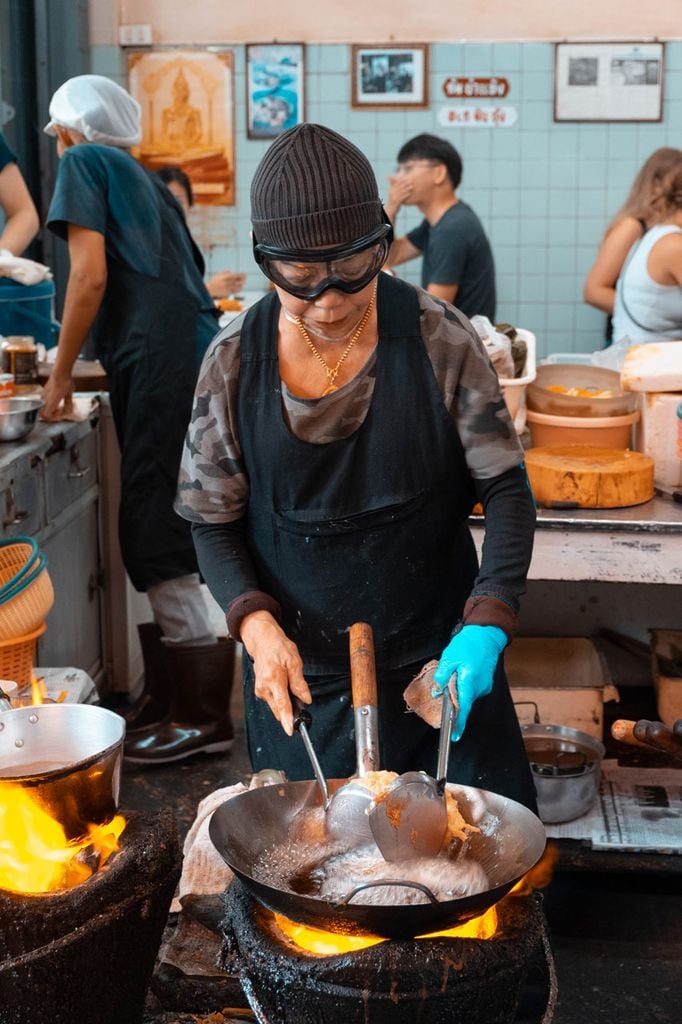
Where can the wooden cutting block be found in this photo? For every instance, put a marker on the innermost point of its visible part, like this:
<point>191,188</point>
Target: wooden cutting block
<point>583,477</point>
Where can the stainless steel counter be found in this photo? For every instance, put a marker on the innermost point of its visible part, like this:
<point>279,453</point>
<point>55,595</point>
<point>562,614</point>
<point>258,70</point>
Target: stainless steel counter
<point>639,544</point>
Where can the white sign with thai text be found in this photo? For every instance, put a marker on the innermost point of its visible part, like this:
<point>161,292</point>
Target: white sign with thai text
<point>461,116</point>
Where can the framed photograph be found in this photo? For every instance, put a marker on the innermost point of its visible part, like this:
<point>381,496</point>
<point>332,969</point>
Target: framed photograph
<point>608,81</point>
<point>390,77</point>
<point>275,84</point>
<point>187,100</point>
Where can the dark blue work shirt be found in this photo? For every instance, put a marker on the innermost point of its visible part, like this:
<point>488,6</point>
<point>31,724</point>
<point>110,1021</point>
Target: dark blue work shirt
<point>105,189</point>
<point>6,154</point>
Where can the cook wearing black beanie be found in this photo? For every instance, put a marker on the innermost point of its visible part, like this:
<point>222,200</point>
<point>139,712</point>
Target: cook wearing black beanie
<point>343,429</point>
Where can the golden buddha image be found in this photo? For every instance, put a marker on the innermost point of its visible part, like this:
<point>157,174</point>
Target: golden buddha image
<point>186,100</point>
<point>180,122</point>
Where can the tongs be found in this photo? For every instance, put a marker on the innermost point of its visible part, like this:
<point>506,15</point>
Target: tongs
<point>411,819</point>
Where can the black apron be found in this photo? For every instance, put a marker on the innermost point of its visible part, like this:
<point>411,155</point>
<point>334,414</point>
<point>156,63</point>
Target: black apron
<point>369,528</point>
<point>146,338</point>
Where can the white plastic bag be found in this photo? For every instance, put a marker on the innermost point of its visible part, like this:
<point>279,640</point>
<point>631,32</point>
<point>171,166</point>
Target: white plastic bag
<point>612,357</point>
<point>498,346</point>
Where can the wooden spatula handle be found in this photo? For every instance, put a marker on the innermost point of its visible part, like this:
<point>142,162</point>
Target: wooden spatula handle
<point>363,676</point>
<point>623,731</point>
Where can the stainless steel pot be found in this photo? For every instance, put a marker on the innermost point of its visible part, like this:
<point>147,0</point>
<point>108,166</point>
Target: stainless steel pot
<point>68,756</point>
<point>566,765</point>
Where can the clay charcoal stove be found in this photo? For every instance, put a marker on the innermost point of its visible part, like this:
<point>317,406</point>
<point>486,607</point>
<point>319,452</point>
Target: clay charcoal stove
<point>85,955</point>
<point>432,980</point>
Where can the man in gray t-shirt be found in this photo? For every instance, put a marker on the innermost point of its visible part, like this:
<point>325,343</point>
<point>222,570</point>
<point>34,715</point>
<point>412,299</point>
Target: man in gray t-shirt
<point>457,260</point>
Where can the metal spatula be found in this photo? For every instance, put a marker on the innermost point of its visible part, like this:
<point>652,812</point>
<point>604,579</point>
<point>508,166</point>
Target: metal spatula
<point>347,812</point>
<point>411,820</point>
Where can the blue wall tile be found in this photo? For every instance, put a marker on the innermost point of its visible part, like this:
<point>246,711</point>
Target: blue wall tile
<point>533,231</point>
<point>506,57</point>
<point>673,57</point>
<point>538,57</point>
<point>478,58</point>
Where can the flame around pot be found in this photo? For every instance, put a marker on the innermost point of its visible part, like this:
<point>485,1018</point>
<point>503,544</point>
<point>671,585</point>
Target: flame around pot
<point>35,856</point>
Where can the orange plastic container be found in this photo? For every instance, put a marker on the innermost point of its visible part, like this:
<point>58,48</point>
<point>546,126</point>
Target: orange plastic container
<point>596,431</point>
<point>17,656</point>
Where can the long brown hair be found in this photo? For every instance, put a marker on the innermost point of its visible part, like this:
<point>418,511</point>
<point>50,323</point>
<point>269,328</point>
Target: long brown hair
<point>644,199</point>
<point>668,192</point>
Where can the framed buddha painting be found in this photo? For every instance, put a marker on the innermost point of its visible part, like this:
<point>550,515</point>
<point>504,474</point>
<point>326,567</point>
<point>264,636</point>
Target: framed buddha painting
<point>187,101</point>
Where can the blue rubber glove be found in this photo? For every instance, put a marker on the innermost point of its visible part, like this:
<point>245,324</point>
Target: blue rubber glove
<point>473,654</point>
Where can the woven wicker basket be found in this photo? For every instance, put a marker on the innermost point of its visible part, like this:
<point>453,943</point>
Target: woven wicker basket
<point>27,609</point>
<point>17,656</point>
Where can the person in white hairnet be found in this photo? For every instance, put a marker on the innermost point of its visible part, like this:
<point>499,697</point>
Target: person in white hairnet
<point>135,283</point>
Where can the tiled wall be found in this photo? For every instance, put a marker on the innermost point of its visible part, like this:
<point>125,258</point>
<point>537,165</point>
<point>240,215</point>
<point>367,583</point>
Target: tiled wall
<point>544,191</point>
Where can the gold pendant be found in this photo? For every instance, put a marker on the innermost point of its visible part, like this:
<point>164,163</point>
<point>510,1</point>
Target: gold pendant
<point>329,389</point>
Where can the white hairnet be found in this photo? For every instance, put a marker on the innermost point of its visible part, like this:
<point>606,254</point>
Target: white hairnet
<point>97,108</point>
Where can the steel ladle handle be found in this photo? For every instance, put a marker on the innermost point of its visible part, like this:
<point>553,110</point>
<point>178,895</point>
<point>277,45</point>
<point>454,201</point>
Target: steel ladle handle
<point>444,742</point>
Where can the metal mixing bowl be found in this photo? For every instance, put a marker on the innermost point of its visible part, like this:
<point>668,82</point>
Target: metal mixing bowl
<point>18,417</point>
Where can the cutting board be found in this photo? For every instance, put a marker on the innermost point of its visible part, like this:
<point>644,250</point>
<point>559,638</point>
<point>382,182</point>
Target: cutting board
<point>576,476</point>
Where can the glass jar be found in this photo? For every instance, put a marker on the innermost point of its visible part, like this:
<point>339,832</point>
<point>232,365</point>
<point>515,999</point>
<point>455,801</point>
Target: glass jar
<point>20,358</point>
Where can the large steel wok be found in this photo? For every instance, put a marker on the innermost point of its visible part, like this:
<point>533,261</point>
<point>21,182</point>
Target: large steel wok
<point>511,842</point>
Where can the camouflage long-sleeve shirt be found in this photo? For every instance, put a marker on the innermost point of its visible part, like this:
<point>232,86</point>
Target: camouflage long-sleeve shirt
<point>213,488</point>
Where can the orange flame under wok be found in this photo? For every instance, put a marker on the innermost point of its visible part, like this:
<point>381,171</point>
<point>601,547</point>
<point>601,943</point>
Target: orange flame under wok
<point>323,943</point>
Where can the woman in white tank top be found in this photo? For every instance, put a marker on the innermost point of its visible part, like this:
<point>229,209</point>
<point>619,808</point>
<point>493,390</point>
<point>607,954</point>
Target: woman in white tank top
<point>649,290</point>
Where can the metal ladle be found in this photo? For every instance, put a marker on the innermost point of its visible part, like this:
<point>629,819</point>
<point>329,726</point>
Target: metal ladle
<point>411,819</point>
<point>347,812</point>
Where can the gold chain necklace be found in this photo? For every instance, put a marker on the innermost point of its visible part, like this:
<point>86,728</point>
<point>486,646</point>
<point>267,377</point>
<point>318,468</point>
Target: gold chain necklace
<point>333,371</point>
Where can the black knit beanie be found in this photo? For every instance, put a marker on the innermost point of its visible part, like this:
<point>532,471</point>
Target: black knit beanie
<point>313,188</point>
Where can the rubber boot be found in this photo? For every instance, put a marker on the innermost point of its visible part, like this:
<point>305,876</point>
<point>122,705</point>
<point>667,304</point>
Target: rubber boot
<point>154,702</point>
<point>199,717</point>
